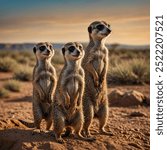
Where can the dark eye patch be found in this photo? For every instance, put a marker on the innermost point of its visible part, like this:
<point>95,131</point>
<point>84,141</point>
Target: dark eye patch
<point>71,48</point>
<point>100,27</point>
<point>42,48</point>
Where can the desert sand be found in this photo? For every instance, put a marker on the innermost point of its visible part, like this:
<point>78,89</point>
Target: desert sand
<point>130,132</point>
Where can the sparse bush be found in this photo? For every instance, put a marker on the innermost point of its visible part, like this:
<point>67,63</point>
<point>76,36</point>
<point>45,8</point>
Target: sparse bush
<point>4,93</point>
<point>12,85</point>
<point>121,74</point>
<point>147,75</point>
<point>57,59</point>
<point>130,54</point>
<point>140,69</point>
<point>21,57</point>
<point>26,58</point>
<point>114,60</point>
<point>7,64</point>
<point>23,60</point>
<point>23,73</point>
<point>135,71</point>
<point>8,53</point>
<point>26,53</point>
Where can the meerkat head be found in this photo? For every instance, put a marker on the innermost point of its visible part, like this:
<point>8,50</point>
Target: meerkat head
<point>99,30</point>
<point>43,51</point>
<point>73,51</point>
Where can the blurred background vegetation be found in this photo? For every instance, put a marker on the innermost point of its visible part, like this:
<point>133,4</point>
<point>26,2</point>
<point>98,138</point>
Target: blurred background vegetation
<point>126,66</point>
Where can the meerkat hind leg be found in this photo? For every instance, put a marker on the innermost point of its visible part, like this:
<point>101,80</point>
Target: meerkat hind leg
<point>103,117</point>
<point>89,114</point>
<point>48,125</point>
<point>78,125</point>
<point>59,126</point>
<point>37,118</point>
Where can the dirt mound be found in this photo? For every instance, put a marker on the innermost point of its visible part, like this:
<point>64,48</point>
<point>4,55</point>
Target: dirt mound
<point>126,99</point>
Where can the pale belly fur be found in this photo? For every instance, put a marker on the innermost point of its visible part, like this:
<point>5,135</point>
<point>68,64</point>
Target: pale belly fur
<point>98,65</point>
<point>73,87</point>
<point>45,84</point>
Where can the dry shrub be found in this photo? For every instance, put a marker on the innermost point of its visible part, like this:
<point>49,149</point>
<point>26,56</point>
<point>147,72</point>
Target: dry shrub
<point>7,64</point>
<point>57,59</point>
<point>23,73</point>
<point>4,93</point>
<point>135,71</point>
<point>12,85</point>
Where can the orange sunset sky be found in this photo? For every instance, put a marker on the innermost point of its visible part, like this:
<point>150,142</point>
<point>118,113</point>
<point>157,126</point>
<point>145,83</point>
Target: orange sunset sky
<point>64,21</point>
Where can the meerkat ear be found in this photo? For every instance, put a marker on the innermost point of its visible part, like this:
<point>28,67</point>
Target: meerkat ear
<point>90,29</point>
<point>34,49</point>
<point>63,50</point>
<point>51,47</point>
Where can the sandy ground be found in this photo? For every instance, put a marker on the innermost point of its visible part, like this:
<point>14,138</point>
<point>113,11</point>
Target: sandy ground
<point>129,132</point>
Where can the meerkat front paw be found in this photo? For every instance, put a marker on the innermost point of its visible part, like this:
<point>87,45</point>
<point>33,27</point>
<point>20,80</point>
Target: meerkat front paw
<point>60,140</point>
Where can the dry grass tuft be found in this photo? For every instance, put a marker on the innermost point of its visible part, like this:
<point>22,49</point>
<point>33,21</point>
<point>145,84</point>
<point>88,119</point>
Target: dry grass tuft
<point>4,93</point>
<point>135,71</point>
<point>12,85</point>
<point>7,64</point>
<point>23,73</point>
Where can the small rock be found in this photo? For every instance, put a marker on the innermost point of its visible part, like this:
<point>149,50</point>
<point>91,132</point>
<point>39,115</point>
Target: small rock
<point>115,97</point>
<point>126,99</point>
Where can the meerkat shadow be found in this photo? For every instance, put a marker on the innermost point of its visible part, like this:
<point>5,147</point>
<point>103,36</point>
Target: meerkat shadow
<point>22,99</point>
<point>16,137</point>
<point>24,135</point>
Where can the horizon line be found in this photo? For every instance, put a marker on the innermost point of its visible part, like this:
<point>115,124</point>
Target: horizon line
<point>146,44</point>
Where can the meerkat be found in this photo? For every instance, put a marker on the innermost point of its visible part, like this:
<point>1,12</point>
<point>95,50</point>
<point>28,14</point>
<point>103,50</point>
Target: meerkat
<point>68,112</point>
<point>44,85</point>
<point>95,64</point>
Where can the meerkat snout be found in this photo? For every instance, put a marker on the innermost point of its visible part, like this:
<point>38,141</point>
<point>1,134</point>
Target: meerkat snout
<point>43,50</point>
<point>99,29</point>
<point>73,51</point>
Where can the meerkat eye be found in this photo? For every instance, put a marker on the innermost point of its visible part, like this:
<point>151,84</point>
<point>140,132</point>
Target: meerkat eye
<point>109,26</point>
<point>71,48</point>
<point>100,27</point>
<point>42,48</point>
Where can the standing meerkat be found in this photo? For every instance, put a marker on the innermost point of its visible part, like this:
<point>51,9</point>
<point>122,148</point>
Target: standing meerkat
<point>95,64</point>
<point>44,84</point>
<point>68,112</point>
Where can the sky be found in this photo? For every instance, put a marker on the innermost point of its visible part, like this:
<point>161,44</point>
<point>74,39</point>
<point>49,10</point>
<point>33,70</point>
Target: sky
<point>61,21</point>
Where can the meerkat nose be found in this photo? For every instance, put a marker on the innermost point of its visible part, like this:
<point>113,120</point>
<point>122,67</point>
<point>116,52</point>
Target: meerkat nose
<point>48,51</point>
<point>108,30</point>
<point>46,114</point>
<point>78,53</point>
